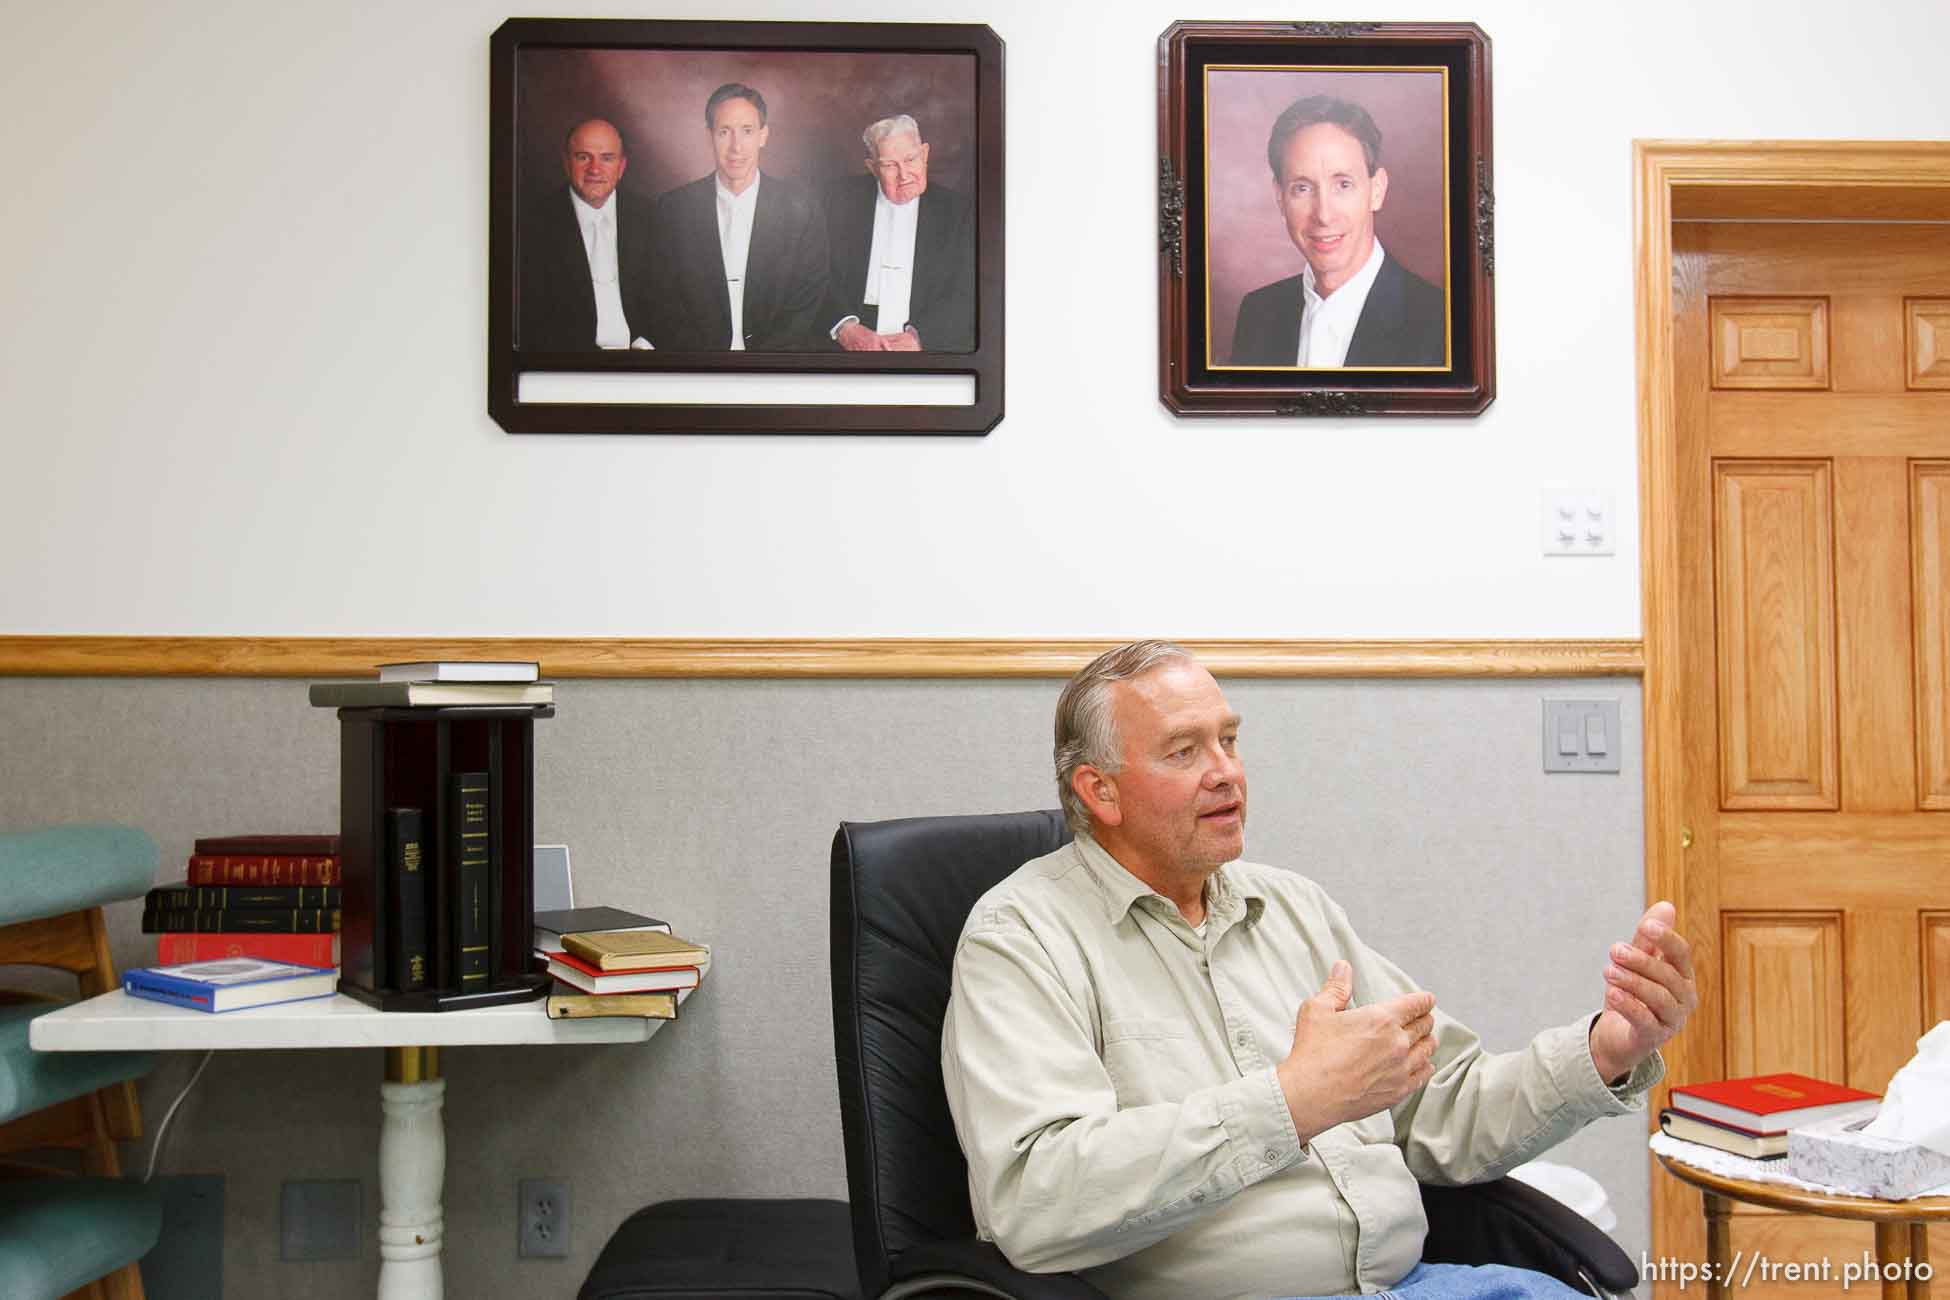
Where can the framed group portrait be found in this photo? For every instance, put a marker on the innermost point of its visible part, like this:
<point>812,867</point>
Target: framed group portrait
<point>745,227</point>
<point>1326,236</point>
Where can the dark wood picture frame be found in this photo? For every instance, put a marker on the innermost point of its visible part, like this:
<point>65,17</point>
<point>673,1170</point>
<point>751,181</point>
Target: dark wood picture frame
<point>1197,378</point>
<point>725,48</point>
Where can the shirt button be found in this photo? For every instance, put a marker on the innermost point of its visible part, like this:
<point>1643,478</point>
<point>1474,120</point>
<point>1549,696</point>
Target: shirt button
<point>1198,1196</point>
<point>1240,1038</point>
<point>1272,1156</point>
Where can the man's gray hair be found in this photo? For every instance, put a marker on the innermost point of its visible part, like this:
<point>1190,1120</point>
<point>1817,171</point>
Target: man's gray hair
<point>899,124</point>
<point>1085,730</point>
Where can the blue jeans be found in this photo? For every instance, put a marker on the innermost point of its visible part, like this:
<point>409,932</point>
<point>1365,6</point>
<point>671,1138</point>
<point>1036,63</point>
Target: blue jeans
<point>1467,1282</point>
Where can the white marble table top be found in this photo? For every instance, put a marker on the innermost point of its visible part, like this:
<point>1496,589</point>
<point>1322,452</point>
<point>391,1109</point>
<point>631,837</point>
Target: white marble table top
<point>117,1022</point>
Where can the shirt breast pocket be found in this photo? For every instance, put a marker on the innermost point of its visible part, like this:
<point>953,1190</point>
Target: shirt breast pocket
<point>1150,1061</point>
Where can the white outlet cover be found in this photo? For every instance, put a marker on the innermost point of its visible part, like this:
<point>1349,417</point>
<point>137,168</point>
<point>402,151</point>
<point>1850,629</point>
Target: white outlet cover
<point>1578,523</point>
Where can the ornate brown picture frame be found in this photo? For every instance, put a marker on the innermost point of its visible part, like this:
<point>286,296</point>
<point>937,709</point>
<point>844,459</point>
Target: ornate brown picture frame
<point>1325,234</point>
<point>686,230</point>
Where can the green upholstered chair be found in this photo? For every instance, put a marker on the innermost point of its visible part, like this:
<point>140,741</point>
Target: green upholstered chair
<point>62,1234</point>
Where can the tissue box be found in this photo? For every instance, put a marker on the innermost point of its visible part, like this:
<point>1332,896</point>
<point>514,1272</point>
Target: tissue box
<point>1832,1152</point>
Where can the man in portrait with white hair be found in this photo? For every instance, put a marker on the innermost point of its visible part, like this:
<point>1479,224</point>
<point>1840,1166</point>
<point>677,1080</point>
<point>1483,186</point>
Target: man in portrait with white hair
<point>903,251</point>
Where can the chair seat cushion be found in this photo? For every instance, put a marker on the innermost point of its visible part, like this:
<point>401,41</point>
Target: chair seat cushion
<point>729,1249</point>
<point>59,1234</point>
<point>30,1080</point>
<point>67,868</point>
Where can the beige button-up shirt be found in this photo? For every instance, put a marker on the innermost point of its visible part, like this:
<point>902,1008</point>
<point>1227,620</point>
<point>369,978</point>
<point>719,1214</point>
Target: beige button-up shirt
<point>1111,1075</point>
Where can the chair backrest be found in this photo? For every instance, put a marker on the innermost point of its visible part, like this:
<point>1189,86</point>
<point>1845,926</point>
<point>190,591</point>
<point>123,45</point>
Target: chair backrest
<point>901,892</point>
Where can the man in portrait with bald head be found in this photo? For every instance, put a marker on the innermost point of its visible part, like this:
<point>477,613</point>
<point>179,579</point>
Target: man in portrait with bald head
<point>903,270</point>
<point>583,263</point>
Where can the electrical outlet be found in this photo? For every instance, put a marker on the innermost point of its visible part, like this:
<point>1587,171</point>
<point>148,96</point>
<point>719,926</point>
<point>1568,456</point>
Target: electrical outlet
<point>542,1219</point>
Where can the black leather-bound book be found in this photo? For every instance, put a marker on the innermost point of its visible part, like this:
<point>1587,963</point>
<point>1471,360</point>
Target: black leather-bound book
<point>406,892</point>
<point>468,853</point>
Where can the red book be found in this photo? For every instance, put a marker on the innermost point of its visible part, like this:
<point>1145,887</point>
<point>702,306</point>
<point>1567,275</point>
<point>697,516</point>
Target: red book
<point>571,969</point>
<point>1767,1103</point>
<point>299,846</point>
<point>263,869</point>
<point>301,949</point>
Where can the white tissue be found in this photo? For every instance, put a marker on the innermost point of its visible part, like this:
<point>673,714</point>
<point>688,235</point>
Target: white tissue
<point>1916,1107</point>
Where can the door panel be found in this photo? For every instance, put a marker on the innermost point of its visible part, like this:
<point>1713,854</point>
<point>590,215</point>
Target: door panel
<point>1814,664</point>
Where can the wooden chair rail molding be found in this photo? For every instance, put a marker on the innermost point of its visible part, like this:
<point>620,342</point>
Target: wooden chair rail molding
<point>565,657</point>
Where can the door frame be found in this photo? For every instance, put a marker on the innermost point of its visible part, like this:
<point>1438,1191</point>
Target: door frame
<point>1819,180</point>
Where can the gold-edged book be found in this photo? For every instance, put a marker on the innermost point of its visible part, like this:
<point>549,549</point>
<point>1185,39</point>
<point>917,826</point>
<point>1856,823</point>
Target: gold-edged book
<point>645,1006</point>
<point>609,950</point>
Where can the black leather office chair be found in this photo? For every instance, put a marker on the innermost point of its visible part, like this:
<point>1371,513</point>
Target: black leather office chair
<point>901,891</point>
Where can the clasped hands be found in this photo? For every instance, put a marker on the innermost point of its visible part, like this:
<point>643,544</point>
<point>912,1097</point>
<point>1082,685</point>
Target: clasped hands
<point>855,337</point>
<point>1348,1064</point>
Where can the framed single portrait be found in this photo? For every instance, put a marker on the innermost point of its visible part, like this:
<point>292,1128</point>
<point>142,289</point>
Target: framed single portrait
<point>745,227</point>
<point>1325,241</point>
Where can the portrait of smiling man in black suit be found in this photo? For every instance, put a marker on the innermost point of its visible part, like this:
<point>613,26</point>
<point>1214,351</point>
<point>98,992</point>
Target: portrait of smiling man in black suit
<point>1352,305</point>
<point>738,258</point>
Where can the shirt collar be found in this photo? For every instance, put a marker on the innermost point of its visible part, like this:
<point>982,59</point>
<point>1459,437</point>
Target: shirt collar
<point>1351,295</point>
<point>585,214</point>
<point>1225,897</point>
<point>750,195</point>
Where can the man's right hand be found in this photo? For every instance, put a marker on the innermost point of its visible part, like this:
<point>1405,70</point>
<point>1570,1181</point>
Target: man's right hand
<point>1346,1065</point>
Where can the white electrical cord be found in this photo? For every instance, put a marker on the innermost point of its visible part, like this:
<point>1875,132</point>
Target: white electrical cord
<point>162,1129</point>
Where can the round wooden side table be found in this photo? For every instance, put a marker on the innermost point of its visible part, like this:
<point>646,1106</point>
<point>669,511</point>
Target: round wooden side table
<point>1902,1227</point>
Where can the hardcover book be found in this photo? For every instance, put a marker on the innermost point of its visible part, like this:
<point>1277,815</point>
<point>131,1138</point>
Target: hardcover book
<point>264,869</point>
<point>461,670</point>
<point>299,949</point>
<point>372,694</point>
<point>469,851</point>
<point>220,896</point>
<point>230,984</point>
<point>303,846</point>
<point>644,1006</point>
<point>1722,1137</point>
<point>572,970</point>
<point>1767,1103</point>
<point>267,920</point>
<point>618,950</point>
<point>551,926</point>
<point>406,882</point>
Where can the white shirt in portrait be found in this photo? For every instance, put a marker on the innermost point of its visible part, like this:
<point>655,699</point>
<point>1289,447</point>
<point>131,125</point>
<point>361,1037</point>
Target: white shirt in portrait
<point>735,243</point>
<point>1327,324</point>
<point>599,227</point>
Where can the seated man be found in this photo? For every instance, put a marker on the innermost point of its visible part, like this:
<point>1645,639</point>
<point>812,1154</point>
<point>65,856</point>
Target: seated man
<point>1184,1075</point>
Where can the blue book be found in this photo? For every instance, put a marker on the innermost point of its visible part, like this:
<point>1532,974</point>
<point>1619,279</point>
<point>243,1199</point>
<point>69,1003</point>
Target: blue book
<point>231,983</point>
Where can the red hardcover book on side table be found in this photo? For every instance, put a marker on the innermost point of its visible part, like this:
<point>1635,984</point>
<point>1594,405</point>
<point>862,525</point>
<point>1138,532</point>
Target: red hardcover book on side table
<point>1767,1103</point>
<point>299,949</point>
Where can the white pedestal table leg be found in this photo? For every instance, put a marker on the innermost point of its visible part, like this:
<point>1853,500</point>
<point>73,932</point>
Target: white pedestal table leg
<point>412,1168</point>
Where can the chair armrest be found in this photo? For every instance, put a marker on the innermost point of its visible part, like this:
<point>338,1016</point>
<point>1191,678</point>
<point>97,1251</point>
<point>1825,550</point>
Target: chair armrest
<point>946,1263</point>
<point>1510,1222</point>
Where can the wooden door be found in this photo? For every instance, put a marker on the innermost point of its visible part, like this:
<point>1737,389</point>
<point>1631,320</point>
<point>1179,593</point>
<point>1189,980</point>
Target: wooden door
<point>1811,366</point>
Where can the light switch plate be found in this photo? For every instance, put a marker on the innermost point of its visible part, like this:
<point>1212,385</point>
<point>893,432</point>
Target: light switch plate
<point>1578,523</point>
<point>1577,719</point>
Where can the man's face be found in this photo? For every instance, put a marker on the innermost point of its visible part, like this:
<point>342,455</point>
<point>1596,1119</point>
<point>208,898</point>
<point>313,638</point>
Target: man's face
<point>1181,794</point>
<point>594,161</point>
<point>1329,201</point>
<point>900,164</point>
<point>737,136</point>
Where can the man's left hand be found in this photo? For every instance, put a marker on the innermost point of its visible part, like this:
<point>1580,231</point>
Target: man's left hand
<point>1649,993</point>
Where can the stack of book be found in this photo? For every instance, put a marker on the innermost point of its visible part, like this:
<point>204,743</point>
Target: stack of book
<point>637,972</point>
<point>1751,1116</point>
<point>273,897</point>
<point>444,683</point>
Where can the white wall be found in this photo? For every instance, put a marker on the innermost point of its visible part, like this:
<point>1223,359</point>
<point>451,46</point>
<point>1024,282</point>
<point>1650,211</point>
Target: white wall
<point>242,351</point>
